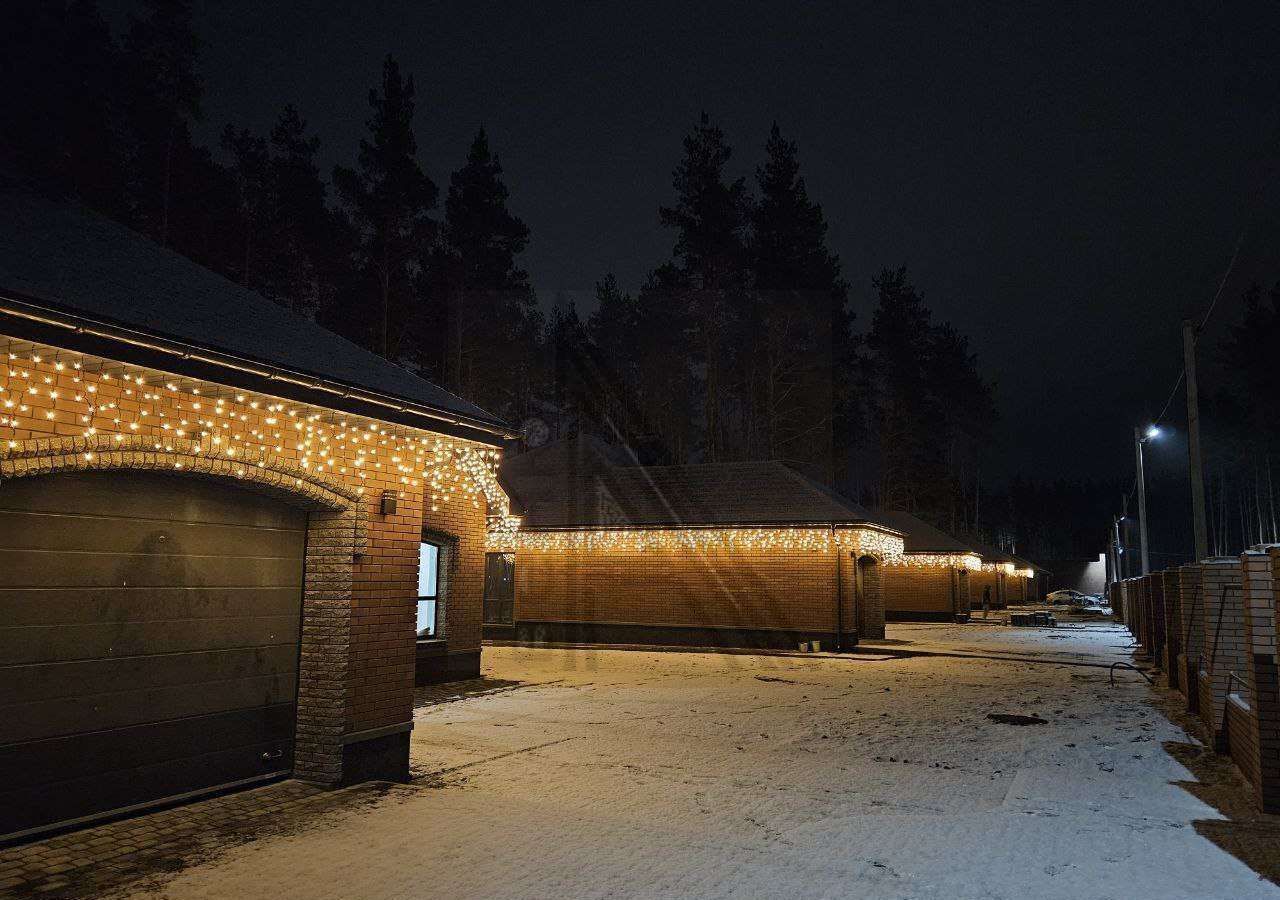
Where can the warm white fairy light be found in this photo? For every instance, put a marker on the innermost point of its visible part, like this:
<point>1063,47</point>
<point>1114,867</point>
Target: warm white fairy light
<point>966,561</point>
<point>237,425</point>
<point>780,538</point>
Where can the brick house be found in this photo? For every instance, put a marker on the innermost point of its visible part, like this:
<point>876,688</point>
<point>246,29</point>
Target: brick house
<point>931,580</point>
<point>219,524</point>
<point>1008,578</point>
<point>740,554</point>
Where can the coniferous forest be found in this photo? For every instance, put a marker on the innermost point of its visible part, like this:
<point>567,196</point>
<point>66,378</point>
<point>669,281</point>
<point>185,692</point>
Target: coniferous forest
<point>741,345</point>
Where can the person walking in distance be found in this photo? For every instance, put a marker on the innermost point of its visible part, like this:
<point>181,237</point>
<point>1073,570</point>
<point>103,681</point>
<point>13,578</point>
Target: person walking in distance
<point>986,600</point>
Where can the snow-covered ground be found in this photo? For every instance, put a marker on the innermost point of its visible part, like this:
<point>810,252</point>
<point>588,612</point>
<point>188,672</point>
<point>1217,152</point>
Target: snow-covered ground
<point>639,774</point>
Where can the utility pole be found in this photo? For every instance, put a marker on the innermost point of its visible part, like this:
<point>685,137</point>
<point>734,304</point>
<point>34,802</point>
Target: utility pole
<point>1113,558</point>
<point>1198,521</point>
<point>1142,502</point>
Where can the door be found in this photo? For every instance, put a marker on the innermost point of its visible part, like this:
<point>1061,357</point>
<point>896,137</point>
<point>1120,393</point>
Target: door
<point>149,629</point>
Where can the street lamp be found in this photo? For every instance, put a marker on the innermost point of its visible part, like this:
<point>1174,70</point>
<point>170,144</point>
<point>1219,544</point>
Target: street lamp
<point>1140,438</point>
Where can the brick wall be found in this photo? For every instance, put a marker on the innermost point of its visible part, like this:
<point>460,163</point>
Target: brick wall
<point>726,589</point>
<point>1224,640</point>
<point>73,396</point>
<point>1171,591</point>
<point>1190,602</point>
<point>1156,604</point>
<point>927,592</point>
<point>1258,753</point>
<point>1241,730</point>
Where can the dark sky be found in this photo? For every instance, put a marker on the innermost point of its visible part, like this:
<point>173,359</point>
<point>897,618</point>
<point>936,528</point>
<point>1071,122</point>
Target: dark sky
<point>1064,181</point>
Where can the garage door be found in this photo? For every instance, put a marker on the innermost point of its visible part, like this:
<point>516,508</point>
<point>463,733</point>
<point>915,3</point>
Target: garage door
<point>149,629</point>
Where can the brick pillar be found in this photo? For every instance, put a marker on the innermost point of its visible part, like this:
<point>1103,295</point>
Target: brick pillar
<point>1191,613</point>
<point>1172,626</point>
<point>1156,586</point>
<point>873,599</point>
<point>1224,650</point>
<point>1259,711</point>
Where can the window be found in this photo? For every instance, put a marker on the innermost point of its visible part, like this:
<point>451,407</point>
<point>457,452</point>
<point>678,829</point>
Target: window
<point>499,588</point>
<point>428,588</point>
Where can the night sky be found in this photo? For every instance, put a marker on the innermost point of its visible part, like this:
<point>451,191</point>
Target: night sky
<point>1064,183</point>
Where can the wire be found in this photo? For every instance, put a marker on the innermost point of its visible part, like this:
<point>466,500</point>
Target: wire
<point>1223,283</point>
<point>1182,373</point>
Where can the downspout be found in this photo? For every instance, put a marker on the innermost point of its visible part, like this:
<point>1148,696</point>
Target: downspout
<point>839,592</point>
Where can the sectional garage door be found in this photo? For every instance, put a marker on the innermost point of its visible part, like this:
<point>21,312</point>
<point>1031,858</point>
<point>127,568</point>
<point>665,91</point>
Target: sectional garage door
<point>149,629</point>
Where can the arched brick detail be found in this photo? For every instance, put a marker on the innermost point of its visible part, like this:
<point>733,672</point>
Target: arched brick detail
<point>336,534</point>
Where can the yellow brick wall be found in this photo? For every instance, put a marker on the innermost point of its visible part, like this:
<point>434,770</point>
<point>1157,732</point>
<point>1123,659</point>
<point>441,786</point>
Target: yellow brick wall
<point>739,588</point>
<point>926,589</point>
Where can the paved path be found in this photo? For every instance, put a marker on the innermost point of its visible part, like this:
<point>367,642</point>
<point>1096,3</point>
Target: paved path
<point>639,774</point>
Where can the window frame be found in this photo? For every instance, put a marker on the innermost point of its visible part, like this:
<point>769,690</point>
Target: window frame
<point>434,599</point>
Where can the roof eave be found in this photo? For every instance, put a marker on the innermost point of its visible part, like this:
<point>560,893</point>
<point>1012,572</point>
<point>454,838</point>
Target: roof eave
<point>31,320</point>
<point>670,526</point>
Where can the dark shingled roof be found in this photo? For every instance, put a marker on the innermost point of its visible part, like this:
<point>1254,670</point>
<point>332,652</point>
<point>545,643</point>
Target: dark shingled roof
<point>920,536</point>
<point>61,255</point>
<point>749,493</point>
<point>993,554</point>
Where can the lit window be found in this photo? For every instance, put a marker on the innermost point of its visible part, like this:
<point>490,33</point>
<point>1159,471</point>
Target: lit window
<point>428,588</point>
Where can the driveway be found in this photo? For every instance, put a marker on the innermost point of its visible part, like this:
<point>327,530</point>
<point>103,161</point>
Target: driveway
<point>636,774</point>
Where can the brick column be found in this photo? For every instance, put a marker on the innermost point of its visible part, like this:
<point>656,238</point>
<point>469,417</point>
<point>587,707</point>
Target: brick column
<point>1255,743</point>
<point>1172,595</point>
<point>1223,635</point>
<point>1191,614</point>
<point>324,682</point>
<point>873,598</point>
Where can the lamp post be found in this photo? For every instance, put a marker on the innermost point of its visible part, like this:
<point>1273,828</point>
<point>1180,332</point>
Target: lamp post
<point>1139,438</point>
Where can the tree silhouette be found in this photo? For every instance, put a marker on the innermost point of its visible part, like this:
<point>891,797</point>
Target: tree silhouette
<point>389,199</point>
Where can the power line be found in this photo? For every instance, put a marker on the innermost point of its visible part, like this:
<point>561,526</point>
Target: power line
<point>1182,373</point>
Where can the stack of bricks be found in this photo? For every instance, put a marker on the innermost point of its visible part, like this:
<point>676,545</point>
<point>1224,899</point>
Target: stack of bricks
<point>1172,594</point>
<point>1224,651</point>
<point>1254,715</point>
<point>1191,603</point>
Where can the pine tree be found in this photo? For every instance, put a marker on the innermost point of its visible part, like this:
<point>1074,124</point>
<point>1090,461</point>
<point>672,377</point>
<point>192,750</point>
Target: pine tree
<point>58,112</point>
<point>800,328</point>
<point>163,91</point>
<point>711,217</point>
<point>250,167</point>
<point>306,239</point>
<point>482,296</point>
<point>389,199</point>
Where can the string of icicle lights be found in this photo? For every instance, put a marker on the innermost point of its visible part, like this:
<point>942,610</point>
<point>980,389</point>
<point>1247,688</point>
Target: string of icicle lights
<point>965,561</point>
<point>1005,567</point>
<point>47,391</point>
<point>632,540</point>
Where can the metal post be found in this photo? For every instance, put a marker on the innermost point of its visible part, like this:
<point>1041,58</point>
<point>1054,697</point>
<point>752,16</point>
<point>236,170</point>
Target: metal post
<point>1142,502</point>
<point>1198,521</point>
